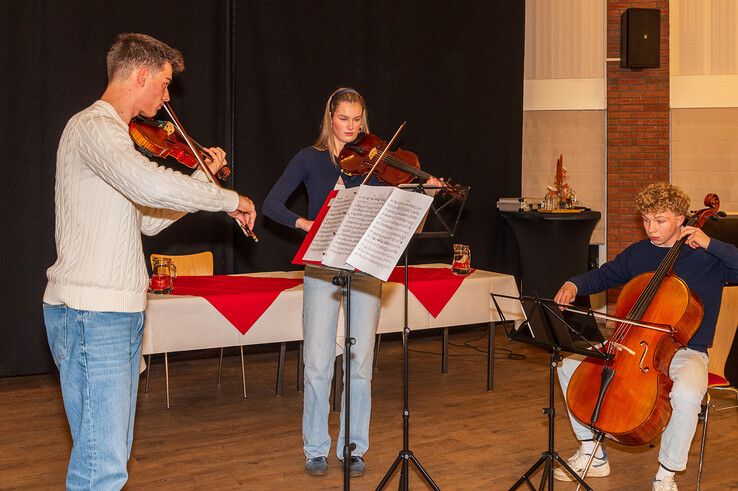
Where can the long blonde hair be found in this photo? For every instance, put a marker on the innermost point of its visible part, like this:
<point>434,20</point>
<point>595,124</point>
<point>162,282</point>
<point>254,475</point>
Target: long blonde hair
<point>325,138</point>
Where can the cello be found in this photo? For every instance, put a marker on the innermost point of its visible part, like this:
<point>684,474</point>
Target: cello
<point>626,398</point>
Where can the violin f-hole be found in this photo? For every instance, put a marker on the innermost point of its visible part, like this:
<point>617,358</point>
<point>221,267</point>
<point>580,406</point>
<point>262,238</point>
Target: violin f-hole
<point>643,357</point>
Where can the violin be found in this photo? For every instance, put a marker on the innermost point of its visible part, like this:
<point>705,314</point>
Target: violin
<point>169,139</point>
<point>156,138</point>
<point>392,167</point>
<point>627,397</point>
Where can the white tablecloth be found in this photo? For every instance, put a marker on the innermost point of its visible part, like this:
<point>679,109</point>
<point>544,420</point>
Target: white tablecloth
<point>180,323</point>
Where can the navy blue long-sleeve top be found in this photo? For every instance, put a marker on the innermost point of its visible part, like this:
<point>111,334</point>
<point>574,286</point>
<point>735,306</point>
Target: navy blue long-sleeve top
<point>313,168</point>
<point>704,270</point>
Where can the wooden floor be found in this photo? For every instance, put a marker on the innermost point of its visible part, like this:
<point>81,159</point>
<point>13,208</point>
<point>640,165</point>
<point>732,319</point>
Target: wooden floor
<point>465,437</point>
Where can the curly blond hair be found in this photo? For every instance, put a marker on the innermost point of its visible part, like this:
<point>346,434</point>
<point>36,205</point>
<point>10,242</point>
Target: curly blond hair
<point>662,196</point>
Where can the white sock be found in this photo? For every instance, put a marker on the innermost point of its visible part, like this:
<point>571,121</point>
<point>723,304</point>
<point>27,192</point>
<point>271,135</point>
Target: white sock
<point>589,445</point>
<point>662,473</point>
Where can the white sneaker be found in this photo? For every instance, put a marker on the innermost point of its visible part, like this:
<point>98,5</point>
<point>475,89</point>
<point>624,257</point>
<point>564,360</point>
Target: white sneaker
<point>665,484</point>
<point>577,462</point>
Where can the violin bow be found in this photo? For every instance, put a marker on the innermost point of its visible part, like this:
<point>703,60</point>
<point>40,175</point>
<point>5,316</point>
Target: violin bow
<point>190,143</point>
<point>381,156</point>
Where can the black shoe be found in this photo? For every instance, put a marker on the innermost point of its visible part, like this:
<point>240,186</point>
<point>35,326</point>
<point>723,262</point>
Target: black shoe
<point>356,466</point>
<point>317,466</point>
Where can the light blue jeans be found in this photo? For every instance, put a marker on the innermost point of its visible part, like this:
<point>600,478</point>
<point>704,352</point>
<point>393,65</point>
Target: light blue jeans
<point>688,370</point>
<point>98,355</point>
<point>321,303</point>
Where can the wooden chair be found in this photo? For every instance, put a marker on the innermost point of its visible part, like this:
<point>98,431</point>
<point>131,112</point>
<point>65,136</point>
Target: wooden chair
<point>725,331</point>
<point>198,264</point>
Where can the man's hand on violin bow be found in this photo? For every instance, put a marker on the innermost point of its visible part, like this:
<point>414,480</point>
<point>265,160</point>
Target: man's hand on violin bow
<point>245,213</point>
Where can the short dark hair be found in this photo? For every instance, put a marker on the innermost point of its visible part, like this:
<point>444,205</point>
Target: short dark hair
<point>131,50</point>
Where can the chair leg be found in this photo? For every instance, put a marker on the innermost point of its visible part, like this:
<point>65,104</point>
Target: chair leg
<point>730,389</point>
<point>444,351</point>
<point>705,415</point>
<point>280,367</point>
<point>148,372</point>
<point>243,373</point>
<point>300,368</point>
<point>377,344</point>
<point>220,365</point>
<point>166,376</point>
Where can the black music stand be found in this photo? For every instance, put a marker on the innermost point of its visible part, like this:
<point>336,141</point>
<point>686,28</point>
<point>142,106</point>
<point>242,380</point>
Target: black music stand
<point>343,279</point>
<point>547,327</point>
<point>406,455</point>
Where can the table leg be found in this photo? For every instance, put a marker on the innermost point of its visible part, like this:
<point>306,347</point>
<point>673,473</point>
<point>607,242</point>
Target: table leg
<point>491,356</point>
<point>166,376</point>
<point>243,373</point>
<point>300,368</point>
<point>444,351</point>
<point>280,367</point>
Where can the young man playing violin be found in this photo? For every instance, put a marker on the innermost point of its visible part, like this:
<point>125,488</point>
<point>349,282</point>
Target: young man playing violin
<point>705,265</point>
<point>106,195</point>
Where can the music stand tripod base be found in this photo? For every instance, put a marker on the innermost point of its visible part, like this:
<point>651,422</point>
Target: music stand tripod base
<point>549,330</point>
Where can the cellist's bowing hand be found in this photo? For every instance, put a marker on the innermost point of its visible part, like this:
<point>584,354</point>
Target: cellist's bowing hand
<point>434,181</point>
<point>695,237</point>
<point>215,159</point>
<point>566,294</point>
<point>245,213</point>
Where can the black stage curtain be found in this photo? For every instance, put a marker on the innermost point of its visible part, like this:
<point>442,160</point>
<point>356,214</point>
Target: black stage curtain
<point>452,70</point>
<point>257,77</point>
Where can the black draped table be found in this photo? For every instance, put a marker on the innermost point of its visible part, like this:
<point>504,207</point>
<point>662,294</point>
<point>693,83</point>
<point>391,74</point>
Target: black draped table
<point>553,247</point>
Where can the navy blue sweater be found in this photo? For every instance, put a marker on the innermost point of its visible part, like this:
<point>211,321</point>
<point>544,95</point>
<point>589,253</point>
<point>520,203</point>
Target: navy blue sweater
<point>315,169</point>
<point>704,271</point>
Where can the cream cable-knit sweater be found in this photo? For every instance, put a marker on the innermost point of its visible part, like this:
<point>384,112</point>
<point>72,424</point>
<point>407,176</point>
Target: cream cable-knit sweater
<point>106,195</point>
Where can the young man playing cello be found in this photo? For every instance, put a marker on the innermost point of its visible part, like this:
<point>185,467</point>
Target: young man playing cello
<point>106,195</point>
<point>706,265</point>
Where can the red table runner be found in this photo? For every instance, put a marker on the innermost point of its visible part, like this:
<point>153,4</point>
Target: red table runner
<point>240,299</point>
<point>433,287</point>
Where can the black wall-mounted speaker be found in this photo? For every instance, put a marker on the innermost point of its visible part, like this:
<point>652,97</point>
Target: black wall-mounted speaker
<point>640,38</point>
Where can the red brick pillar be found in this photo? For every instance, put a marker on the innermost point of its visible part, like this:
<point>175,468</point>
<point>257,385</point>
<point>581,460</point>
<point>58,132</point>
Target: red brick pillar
<point>637,129</point>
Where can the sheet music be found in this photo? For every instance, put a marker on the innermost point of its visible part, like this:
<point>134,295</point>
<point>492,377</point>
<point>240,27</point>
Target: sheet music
<point>364,208</point>
<point>384,240</point>
<point>327,231</point>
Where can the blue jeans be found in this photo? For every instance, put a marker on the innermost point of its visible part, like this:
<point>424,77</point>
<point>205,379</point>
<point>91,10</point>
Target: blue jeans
<point>321,303</point>
<point>688,370</point>
<point>98,355</point>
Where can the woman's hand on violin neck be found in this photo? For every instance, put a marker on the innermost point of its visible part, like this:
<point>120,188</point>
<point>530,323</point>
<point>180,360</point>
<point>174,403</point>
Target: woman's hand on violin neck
<point>245,213</point>
<point>216,158</point>
<point>303,224</point>
<point>695,237</point>
<point>566,294</point>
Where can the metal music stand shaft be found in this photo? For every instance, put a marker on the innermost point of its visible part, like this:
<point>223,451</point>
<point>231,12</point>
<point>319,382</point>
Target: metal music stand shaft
<point>406,455</point>
<point>554,344</point>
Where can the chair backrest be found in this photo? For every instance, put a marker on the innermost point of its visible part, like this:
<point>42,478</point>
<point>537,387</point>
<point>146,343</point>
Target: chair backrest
<point>199,264</point>
<point>724,331</point>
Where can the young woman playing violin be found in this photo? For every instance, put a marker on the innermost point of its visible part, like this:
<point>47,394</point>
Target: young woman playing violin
<point>316,167</point>
<point>705,266</point>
